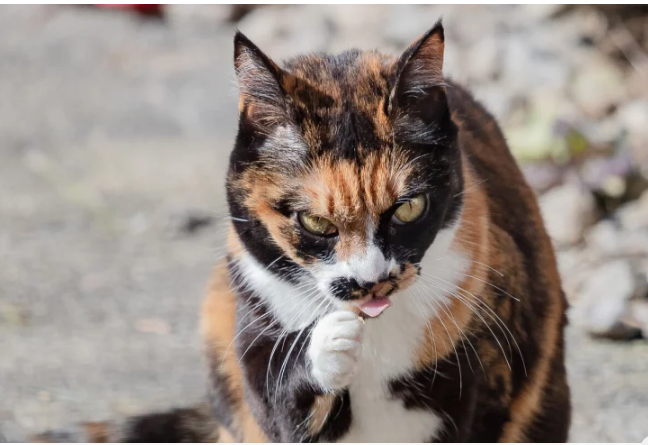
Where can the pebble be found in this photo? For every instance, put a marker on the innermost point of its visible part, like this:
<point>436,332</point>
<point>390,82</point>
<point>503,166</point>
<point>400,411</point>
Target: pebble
<point>603,301</point>
<point>567,210</point>
<point>634,215</point>
<point>153,326</point>
<point>598,87</point>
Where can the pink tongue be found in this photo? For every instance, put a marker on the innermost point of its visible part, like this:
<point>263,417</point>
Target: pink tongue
<point>374,308</point>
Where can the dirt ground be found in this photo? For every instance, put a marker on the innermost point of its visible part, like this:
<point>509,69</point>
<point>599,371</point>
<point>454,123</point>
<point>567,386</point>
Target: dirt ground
<point>114,137</point>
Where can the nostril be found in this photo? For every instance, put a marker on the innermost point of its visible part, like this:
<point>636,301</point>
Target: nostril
<point>366,285</point>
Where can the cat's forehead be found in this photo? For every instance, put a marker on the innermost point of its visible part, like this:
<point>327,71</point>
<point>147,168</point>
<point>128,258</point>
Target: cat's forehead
<point>343,76</point>
<point>346,191</point>
<point>339,101</point>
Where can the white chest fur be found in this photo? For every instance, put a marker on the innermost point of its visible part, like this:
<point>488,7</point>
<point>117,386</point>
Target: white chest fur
<point>390,347</point>
<point>389,351</point>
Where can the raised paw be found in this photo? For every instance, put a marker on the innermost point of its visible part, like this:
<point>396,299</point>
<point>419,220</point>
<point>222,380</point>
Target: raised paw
<point>335,345</point>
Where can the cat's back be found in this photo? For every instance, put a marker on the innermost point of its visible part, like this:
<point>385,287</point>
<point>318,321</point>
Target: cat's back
<point>520,246</point>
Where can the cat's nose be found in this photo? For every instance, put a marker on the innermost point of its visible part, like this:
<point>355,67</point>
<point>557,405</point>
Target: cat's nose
<point>366,285</point>
<point>371,285</point>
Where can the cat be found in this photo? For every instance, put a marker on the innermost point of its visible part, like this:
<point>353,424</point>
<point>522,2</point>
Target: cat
<point>388,275</point>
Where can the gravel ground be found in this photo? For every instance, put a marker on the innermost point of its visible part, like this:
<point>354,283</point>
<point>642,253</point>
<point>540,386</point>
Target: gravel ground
<point>114,135</point>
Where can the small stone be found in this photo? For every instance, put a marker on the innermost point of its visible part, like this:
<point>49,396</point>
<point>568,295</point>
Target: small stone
<point>633,116</point>
<point>603,237</point>
<point>93,282</point>
<point>639,316</point>
<point>534,137</point>
<point>603,301</point>
<point>542,176</point>
<point>193,16</point>
<point>598,87</point>
<point>634,243</point>
<point>541,11</point>
<point>44,396</point>
<point>567,211</point>
<point>634,215</point>
<point>572,265</point>
<point>417,17</point>
<point>153,326</point>
<point>14,315</point>
<point>189,221</point>
<point>483,59</point>
<point>283,31</point>
<point>597,170</point>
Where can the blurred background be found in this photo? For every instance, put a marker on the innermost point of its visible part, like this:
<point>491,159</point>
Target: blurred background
<point>115,129</point>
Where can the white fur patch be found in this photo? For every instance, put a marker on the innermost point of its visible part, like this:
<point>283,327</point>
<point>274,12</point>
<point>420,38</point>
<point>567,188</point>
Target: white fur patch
<point>334,349</point>
<point>294,306</point>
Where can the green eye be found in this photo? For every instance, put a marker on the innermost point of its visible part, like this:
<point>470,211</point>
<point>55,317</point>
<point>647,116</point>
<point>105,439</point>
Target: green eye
<point>411,210</point>
<point>317,225</point>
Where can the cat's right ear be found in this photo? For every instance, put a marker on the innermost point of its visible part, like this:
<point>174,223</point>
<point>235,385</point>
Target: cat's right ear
<point>419,87</point>
<point>262,100</point>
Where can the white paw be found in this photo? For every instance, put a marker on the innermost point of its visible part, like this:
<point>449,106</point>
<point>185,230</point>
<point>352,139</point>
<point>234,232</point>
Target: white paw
<point>335,345</point>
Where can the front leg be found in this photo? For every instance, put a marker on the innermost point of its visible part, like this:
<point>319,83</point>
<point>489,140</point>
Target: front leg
<point>291,379</point>
<point>334,349</point>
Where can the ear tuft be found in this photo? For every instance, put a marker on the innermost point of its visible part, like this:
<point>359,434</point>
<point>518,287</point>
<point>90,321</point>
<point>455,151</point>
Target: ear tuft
<point>419,70</point>
<point>262,98</point>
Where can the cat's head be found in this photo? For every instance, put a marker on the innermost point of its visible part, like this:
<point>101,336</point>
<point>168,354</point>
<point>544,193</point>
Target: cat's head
<point>346,168</point>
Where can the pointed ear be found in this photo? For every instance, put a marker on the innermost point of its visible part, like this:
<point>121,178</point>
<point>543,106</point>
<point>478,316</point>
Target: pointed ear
<point>262,99</point>
<point>419,87</point>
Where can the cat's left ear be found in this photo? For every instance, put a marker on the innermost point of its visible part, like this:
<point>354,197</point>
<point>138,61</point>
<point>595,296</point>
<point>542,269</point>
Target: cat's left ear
<point>262,99</point>
<point>418,82</point>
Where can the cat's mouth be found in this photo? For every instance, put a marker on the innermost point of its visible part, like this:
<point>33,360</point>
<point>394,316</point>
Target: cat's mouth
<point>374,306</point>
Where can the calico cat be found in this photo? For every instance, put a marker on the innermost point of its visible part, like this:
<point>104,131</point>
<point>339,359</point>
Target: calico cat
<point>388,275</point>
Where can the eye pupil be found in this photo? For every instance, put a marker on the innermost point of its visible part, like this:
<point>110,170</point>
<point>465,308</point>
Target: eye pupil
<point>317,225</point>
<point>411,210</point>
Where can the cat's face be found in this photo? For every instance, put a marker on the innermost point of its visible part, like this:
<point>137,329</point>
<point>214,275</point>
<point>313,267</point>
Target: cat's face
<point>346,168</point>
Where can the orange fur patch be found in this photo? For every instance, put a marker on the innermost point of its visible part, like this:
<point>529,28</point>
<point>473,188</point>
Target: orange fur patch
<point>218,324</point>
<point>320,412</point>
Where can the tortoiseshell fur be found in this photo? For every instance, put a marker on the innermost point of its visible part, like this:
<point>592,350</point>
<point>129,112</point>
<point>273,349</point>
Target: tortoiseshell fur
<point>350,137</point>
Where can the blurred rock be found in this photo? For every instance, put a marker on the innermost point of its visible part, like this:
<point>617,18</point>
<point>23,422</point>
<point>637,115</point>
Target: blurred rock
<point>638,316</point>
<point>603,238</point>
<point>634,215</point>
<point>417,17</point>
<point>603,302</point>
<point>284,31</point>
<point>598,171</point>
<point>633,116</point>
<point>13,315</point>
<point>153,326</point>
<point>542,176</point>
<point>198,16</point>
<point>608,238</point>
<point>188,221</point>
<point>542,11</point>
<point>572,266</point>
<point>598,87</point>
<point>567,210</point>
<point>483,59</point>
